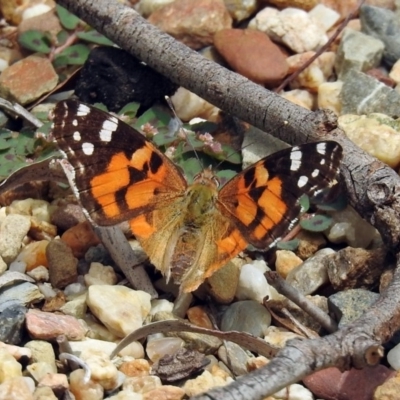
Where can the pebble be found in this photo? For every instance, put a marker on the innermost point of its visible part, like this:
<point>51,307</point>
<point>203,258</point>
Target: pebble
<point>198,316</point>
<point>158,305</point>
<point>235,357</point>
<point>206,381</point>
<point>223,283</point>
<point>253,284</point>
<point>138,367</point>
<point>315,74</point>
<point>355,384</point>
<point>357,51</point>
<point>395,72</point>
<point>268,64</point>
<point>44,22</point>
<point>42,352</point>
<point>3,266</point>
<point>302,98</point>
<point>88,344</point>
<point>309,243</point>
<point>147,7</point>
<point>97,330</point>
<point>44,393</point>
<point>28,79</point>
<point>377,134</point>
<point>286,261</point>
<point>324,16</point>
<point>12,232</point>
<point>38,370</point>
<point>388,390</point>
<point>348,227</point>
<point>120,309</point>
<point>277,337</point>
<point>23,294</point>
<point>302,4</point>
<point>363,94</point>
<point>84,390</point>
<point>241,9</point>
<point>16,351</point>
<point>34,254</point>
<point>39,274</point>
<point>329,96</point>
<point>41,210</point>
<point>103,371</point>
<point>311,274</point>
<point>47,326</point>
<point>291,27</point>
<point>100,275</point>
<point>350,304</point>
<point>166,392</point>
<point>159,347</point>
<point>383,24</point>
<point>192,24</point>
<point>9,366</point>
<point>188,105</point>
<point>17,389</point>
<point>12,324</point>
<point>58,383</point>
<point>62,264</point>
<point>76,307</point>
<point>294,392</point>
<point>68,215</point>
<point>246,316</point>
<point>393,357</point>
<point>80,238</point>
<point>141,384</point>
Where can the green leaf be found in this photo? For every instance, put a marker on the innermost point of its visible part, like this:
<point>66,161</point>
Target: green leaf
<point>76,54</point>
<point>163,139</point>
<point>130,109</point>
<point>304,202</point>
<point>35,41</point>
<point>317,223</point>
<point>289,245</point>
<point>340,203</point>
<point>191,168</point>
<point>4,144</point>
<point>230,154</point>
<point>62,37</point>
<point>68,20</point>
<point>155,116</point>
<point>225,175</point>
<point>60,61</point>
<point>94,37</point>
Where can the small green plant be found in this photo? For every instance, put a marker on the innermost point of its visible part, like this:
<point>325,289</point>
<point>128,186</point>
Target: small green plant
<point>70,47</point>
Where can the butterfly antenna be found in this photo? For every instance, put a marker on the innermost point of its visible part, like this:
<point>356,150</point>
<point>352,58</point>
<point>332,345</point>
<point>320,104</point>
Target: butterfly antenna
<point>177,122</point>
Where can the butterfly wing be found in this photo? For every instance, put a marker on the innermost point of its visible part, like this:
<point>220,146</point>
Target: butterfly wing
<point>117,173</point>
<point>262,201</point>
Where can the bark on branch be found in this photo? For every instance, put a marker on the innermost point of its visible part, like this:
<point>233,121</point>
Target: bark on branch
<point>373,187</point>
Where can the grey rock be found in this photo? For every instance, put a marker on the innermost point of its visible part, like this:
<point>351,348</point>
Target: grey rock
<point>362,94</point>
<point>23,294</point>
<point>246,316</point>
<point>234,357</point>
<point>349,305</point>
<point>357,51</point>
<point>382,24</point>
<point>12,321</point>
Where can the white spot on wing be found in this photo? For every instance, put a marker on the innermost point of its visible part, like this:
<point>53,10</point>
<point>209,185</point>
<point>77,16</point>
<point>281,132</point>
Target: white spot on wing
<point>302,181</point>
<point>321,148</point>
<point>75,122</point>
<point>315,173</point>
<point>322,162</point>
<point>109,126</point>
<point>295,157</point>
<point>77,136</point>
<point>87,148</point>
<point>83,110</point>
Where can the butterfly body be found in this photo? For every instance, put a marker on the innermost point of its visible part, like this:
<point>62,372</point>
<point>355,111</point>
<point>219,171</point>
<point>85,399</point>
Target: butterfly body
<point>188,231</point>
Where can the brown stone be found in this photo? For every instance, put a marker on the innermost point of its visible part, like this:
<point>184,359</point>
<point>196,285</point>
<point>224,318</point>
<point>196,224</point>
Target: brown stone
<point>61,263</point>
<point>194,23</point>
<point>28,79</point>
<point>80,237</point>
<point>252,54</point>
<point>302,4</point>
<point>139,367</point>
<point>47,326</point>
<point>199,317</point>
<point>165,392</point>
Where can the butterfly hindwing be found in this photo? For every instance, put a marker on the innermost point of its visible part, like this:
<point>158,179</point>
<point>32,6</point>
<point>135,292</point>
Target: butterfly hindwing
<point>263,199</point>
<point>117,173</point>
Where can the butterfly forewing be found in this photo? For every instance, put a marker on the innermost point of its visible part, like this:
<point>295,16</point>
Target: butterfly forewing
<point>108,158</point>
<point>263,199</point>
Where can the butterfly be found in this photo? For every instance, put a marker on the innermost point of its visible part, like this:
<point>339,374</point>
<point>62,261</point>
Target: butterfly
<point>188,231</point>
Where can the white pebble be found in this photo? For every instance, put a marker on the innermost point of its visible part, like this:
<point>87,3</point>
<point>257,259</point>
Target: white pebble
<point>393,357</point>
<point>47,290</point>
<point>158,348</point>
<point>19,266</point>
